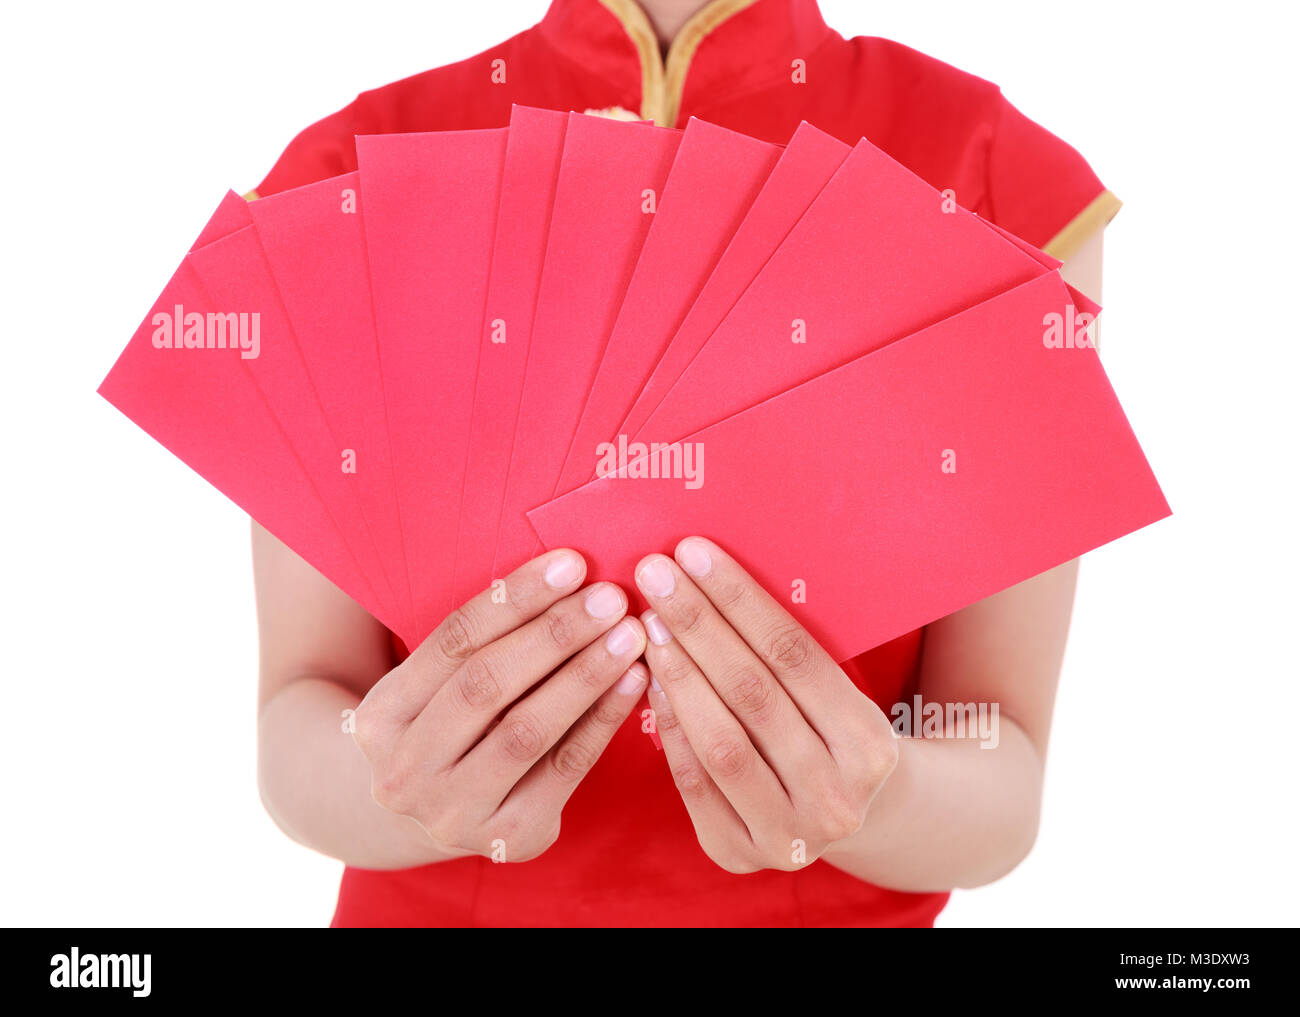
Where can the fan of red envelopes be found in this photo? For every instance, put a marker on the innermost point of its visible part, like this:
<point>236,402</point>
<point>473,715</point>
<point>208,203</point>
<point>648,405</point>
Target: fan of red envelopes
<point>580,332</point>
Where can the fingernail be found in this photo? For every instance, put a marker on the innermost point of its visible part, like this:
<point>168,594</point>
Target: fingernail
<point>604,601</point>
<point>654,684</point>
<point>693,556</point>
<point>632,682</point>
<point>621,639</point>
<point>656,578</point>
<point>562,572</point>
<point>655,628</point>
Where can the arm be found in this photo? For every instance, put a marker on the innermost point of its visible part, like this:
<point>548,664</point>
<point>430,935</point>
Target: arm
<point>772,747</point>
<point>320,655</point>
<point>472,745</point>
<point>954,814</point>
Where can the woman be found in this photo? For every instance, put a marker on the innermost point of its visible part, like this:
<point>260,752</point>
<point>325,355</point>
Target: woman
<point>497,782</point>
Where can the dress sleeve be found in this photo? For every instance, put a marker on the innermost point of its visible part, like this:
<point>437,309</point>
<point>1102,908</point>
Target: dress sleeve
<point>325,149</point>
<point>1040,188</point>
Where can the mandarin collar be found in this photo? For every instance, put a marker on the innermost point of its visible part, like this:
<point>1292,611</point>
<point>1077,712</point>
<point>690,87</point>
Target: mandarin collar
<point>725,46</point>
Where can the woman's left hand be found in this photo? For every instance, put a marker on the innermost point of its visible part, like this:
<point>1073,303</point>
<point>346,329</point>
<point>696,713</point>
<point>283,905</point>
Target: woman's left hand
<point>776,753</point>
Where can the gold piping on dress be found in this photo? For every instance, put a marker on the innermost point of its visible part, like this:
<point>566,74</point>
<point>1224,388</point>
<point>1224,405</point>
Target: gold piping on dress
<point>1101,210</point>
<point>662,81</point>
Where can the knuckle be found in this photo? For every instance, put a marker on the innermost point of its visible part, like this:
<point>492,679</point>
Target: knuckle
<point>678,667</point>
<point>521,737</point>
<point>884,758</point>
<point>840,816</point>
<point>583,672</point>
<point>687,618</point>
<point>750,693</point>
<point>873,765</point>
<point>605,714</point>
<point>477,685</point>
<point>690,781</point>
<point>572,760</point>
<point>519,599</point>
<point>560,629</point>
<point>790,648</point>
<point>730,594</point>
<point>456,635</point>
<point>667,721</point>
<point>727,756</point>
<point>388,788</point>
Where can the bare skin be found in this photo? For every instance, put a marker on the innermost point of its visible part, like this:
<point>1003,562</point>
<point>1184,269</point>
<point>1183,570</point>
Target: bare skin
<point>949,814</point>
<point>430,775</point>
<point>472,745</point>
<point>669,17</point>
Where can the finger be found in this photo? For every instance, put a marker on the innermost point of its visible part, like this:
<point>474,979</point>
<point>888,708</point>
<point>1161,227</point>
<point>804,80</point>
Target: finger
<point>824,694</point>
<point>469,702</point>
<point>544,789</point>
<point>714,734</point>
<point>531,727</point>
<point>400,695</point>
<point>711,814</point>
<point>740,679</point>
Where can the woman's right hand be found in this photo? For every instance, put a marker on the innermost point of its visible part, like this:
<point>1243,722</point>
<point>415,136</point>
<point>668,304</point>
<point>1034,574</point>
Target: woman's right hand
<point>484,732</point>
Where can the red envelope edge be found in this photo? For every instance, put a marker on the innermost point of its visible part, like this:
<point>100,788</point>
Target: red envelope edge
<point>876,257</point>
<point>837,487</point>
<point>217,423</point>
<point>312,239</point>
<point>234,273</point>
<point>1082,302</point>
<point>532,166</point>
<point>599,222</point>
<point>232,214</point>
<point>808,162</point>
<point>713,181</point>
<point>430,204</point>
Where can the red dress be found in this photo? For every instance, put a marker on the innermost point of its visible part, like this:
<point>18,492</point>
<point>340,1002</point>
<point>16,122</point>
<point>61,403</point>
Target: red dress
<point>627,854</point>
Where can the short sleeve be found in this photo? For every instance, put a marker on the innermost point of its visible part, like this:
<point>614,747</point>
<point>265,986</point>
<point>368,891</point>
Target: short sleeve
<point>1040,188</point>
<point>325,149</point>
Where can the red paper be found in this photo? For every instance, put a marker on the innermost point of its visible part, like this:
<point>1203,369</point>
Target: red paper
<point>838,487</point>
<point>714,179</point>
<point>805,167</point>
<point>231,215</point>
<point>314,244</point>
<point>203,406</point>
<point>611,178</point>
<point>430,209</point>
<point>876,257</point>
<point>234,273</point>
<point>532,166</point>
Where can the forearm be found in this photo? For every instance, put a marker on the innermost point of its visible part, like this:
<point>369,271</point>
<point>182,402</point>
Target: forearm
<point>315,783</point>
<point>952,815</point>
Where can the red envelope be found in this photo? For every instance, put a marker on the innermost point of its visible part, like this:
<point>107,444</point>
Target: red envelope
<point>713,181</point>
<point>236,277</point>
<point>523,224</point>
<point>834,495</point>
<point>231,215</point>
<point>611,179</point>
<point>889,260</point>
<point>203,406</point>
<point>314,244</point>
<point>430,209</point>
<point>804,168</point>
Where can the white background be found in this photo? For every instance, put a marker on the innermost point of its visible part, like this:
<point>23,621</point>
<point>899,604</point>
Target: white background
<point>129,649</point>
